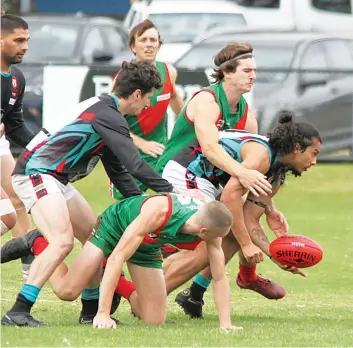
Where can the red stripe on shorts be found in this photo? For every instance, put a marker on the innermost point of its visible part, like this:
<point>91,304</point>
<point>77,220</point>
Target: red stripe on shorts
<point>37,181</point>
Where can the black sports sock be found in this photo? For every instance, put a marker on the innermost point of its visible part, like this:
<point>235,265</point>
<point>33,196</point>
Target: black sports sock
<point>21,305</point>
<point>89,307</point>
<point>197,291</point>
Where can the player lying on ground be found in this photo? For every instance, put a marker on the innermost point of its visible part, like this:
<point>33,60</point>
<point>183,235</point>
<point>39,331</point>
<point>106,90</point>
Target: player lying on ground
<point>134,230</point>
<point>43,174</point>
<point>290,147</point>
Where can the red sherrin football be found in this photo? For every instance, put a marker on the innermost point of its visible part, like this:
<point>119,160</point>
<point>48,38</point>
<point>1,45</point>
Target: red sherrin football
<point>296,250</point>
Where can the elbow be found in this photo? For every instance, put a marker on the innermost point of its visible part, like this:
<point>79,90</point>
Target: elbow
<point>209,150</point>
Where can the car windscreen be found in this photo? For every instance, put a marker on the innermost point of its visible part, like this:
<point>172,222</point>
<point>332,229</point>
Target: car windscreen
<point>51,42</point>
<point>185,27</point>
<point>273,58</point>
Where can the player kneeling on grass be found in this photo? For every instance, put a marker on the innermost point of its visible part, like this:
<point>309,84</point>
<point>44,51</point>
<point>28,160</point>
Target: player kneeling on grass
<point>134,230</point>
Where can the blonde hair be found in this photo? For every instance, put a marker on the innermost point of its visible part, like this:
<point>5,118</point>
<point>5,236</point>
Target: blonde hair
<point>215,215</point>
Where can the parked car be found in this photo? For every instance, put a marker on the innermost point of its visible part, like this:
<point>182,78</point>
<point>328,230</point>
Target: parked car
<point>67,40</point>
<point>181,21</point>
<point>310,74</point>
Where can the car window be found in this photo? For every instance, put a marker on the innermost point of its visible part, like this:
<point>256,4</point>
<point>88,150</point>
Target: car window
<point>185,27</point>
<point>270,67</point>
<point>314,58</point>
<point>339,54</point>
<point>115,39</point>
<point>340,6</point>
<point>129,18</point>
<point>52,42</point>
<point>94,41</point>
<point>258,3</point>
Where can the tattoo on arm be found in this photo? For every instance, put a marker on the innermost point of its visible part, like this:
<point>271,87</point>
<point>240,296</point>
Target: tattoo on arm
<point>260,239</point>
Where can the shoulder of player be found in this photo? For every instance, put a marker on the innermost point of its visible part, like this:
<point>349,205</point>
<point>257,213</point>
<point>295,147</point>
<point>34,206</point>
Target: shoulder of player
<point>256,156</point>
<point>15,71</point>
<point>157,206</point>
<point>204,96</point>
<point>111,114</point>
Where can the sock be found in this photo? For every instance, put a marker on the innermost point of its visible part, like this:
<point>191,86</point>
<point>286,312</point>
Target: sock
<point>90,301</point>
<point>198,287</point>
<point>26,265</point>
<point>39,245</point>
<point>247,273</point>
<point>25,299</point>
<point>125,287</point>
<point>22,305</point>
<point>90,294</point>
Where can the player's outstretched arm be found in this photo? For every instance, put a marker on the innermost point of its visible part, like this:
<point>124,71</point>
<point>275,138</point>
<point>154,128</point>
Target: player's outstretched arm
<point>221,290</point>
<point>252,214</point>
<point>220,282</point>
<point>152,216</point>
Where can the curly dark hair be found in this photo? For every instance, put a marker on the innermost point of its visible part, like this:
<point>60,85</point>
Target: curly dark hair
<point>136,75</point>
<point>284,139</point>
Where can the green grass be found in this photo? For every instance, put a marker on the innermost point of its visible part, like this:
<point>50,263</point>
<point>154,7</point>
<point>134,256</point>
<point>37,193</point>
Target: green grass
<point>317,311</point>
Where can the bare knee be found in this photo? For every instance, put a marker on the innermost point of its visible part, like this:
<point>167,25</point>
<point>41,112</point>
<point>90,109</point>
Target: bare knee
<point>8,222</point>
<point>154,319</point>
<point>66,293</point>
<point>62,246</point>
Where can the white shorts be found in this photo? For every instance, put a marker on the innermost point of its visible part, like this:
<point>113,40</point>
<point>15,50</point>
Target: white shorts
<point>183,180</point>
<point>4,147</point>
<point>30,188</point>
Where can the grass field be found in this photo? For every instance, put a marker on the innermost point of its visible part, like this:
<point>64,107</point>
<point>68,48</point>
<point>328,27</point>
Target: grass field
<point>317,311</point>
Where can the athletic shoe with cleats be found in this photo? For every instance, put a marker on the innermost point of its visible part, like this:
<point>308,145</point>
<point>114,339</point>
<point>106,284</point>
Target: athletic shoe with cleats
<point>190,306</point>
<point>88,319</point>
<point>265,287</point>
<point>18,247</point>
<point>21,320</point>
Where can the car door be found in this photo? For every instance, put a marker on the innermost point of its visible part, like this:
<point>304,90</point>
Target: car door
<point>340,55</point>
<point>314,98</point>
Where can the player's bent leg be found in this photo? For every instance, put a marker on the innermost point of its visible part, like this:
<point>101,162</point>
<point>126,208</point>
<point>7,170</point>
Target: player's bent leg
<point>7,213</point>
<point>82,216</point>
<point>248,279</point>
<point>149,302</point>
<point>51,216</point>
<point>69,284</point>
<point>191,299</point>
<point>23,224</point>
<point>182,266</point>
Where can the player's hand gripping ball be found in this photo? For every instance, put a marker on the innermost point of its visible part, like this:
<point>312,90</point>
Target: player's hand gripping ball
<point>296,250</point>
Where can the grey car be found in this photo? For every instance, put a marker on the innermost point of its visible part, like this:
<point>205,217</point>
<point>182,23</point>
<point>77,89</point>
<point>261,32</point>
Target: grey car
<point>310,74</point>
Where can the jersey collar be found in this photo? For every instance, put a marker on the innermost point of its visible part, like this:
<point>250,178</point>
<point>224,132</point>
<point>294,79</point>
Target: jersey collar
<point>116,101</point>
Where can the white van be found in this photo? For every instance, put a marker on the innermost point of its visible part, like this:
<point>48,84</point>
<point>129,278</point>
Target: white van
<point>304,15</point>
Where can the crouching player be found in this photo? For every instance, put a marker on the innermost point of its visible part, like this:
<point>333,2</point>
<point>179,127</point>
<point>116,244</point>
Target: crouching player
<point>134,230</point>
